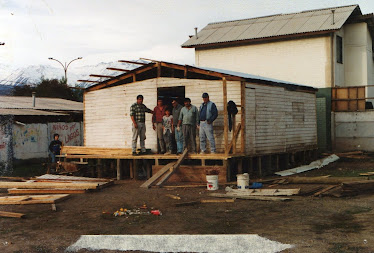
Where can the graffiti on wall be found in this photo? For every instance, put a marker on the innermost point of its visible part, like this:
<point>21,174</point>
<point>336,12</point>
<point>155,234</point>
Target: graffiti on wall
<point>30,141</point>
<point>70,133</point>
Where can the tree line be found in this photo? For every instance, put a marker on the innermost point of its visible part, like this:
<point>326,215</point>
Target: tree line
<point>52,88</point>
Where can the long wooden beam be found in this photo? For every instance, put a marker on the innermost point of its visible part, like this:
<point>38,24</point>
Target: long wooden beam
<point>118,69</point>
<point>87,81</point>
<point>133,62</point>
<point>95,75</point>
<point>122,77</point>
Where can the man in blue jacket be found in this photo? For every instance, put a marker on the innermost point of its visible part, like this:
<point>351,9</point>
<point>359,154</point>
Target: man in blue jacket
<point>208,113</point>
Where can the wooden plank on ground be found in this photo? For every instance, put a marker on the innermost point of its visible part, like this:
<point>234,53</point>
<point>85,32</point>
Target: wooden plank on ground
<point>71,178</point>
<point>156,176</point>
<point>190,203</point>
<point>265,192</point>
<point>325,190</point>
<point>33,199</point>
<point>11,214</point>
<point>173,169</point>
<point>217,200</point>
<point>172,196</point>
<point>46,191</point>
<point>49,185</point>
<point>264,198</point>
<point>323,180</point>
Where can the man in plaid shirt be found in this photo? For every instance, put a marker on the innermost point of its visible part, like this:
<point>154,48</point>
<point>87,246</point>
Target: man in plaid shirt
<point>137,114</point>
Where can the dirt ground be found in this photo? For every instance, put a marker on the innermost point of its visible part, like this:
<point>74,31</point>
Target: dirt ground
<point>312,224</point>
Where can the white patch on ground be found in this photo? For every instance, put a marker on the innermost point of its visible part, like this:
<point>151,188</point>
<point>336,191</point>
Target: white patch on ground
<point>179,243</point>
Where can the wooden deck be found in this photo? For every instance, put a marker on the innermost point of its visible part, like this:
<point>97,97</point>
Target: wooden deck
<point>152,156</point>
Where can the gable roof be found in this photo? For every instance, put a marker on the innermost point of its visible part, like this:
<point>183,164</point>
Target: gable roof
<point>320,21</point>
<point>157,69</point>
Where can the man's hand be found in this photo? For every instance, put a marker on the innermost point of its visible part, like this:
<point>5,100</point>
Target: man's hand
<point>209,122</point>
<point>178,128</point>
<point>154,127</point>
<point>135,125</point>
<point>198,126</point>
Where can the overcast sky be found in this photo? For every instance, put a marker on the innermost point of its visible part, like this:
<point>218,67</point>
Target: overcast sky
<point>110,30</point>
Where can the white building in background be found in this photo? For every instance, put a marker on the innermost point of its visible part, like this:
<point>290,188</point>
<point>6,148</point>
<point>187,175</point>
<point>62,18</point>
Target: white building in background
<point>321,48</point>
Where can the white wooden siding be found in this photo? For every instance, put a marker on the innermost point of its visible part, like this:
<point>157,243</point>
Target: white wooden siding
<point>107,111</point>
<point>270,123</point>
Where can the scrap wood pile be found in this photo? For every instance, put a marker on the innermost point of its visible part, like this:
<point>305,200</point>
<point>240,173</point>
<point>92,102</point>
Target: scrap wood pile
<point>51,184</point>
<point>331,186</point>
<point>50,189</point>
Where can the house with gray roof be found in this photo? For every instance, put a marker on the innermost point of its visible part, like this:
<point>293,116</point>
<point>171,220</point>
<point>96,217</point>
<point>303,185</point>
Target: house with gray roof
<point>321,48</point>
<point>330,49</point>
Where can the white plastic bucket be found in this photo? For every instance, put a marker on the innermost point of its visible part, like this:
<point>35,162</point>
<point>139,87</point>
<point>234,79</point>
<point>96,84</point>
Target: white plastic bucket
<point>212,182</point>
<point>243,181</point>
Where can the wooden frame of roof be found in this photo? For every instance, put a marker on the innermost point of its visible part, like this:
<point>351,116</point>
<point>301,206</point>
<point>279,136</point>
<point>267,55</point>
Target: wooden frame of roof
<point>166,69</point>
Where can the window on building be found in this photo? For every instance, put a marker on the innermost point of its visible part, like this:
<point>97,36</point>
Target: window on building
<point>339,49</point>
<point>298,114</point>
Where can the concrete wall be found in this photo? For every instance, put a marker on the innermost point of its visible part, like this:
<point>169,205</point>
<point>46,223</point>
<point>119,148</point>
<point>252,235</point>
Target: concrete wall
<point>5,147</point>
<point>353,131</point>
<point>305,61</point>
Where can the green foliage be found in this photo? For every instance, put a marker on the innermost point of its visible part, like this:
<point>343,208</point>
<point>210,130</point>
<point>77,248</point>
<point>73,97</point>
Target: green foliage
<point>52,88</point>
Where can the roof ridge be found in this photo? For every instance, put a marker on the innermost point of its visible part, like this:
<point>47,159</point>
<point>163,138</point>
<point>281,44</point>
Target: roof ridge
<point>284,14</point>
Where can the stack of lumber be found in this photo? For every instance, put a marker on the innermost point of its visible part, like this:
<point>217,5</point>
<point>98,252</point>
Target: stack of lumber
<point>56,184</point>
<point>81,151</point>
<point>33,199</point>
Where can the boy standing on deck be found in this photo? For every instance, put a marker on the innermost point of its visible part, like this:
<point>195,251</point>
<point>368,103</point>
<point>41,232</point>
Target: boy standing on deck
<point>168,128</point>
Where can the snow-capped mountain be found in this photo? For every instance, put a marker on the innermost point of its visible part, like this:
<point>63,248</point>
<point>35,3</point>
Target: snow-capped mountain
<point>32,75</point>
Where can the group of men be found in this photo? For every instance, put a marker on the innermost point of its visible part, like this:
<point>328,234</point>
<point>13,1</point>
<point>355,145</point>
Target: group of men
<point>180,122</point>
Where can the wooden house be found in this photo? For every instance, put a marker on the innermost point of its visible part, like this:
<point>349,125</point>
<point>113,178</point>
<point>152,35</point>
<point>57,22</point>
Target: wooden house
<point>274,119</point>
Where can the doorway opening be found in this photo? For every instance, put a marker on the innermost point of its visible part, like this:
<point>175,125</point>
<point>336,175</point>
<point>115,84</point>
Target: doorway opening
<point>167,94</point>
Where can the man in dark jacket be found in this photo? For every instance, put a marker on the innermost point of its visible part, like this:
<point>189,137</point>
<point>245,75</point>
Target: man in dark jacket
<point>208,114</point>
<point>55,147</point>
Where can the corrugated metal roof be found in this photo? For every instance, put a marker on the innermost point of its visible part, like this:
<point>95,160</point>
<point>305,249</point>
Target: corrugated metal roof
<point>19,102</point>
<point>28,112</point>
<point>272,26</point>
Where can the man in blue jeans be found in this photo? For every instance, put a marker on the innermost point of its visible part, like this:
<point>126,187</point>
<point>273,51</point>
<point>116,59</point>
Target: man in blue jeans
<point>208,114</point>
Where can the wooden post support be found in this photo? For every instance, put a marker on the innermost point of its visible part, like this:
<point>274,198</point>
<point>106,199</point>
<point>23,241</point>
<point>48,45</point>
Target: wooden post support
<point>260,166</point>
<point>131,167</point>
<point>242,118</point>
<point>118,169</point>
<point>99,168</point>
<point>156,162</point>
<point>202,162</point>
<point>226,166</point>
<point>240,165</point>
<point>225,115</point>
<point>149,168</point>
